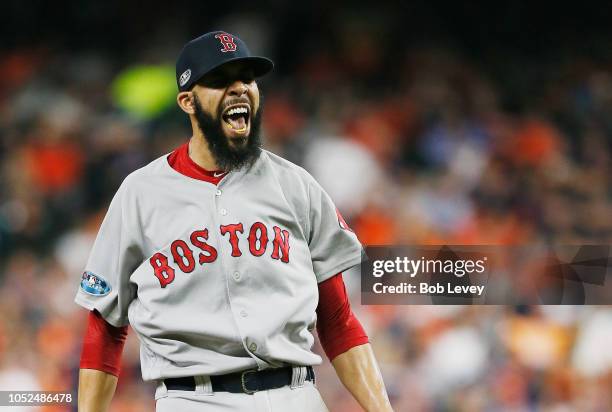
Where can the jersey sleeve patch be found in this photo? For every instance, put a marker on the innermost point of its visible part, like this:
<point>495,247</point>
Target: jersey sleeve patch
<point>94,285</point>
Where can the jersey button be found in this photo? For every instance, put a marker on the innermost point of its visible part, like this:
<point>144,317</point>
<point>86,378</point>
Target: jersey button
<point>218,193</point>
<point>253,347</point>
<point>223,212</point>
<point>236,276</point>
<point>243,313</point>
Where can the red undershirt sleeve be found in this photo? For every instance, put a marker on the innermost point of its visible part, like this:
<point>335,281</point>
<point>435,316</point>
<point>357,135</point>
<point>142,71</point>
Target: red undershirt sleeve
<point>102,345</point>
<point>338,328</point>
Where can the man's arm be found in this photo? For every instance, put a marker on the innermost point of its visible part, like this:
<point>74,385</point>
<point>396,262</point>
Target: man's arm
<point>347,346</point>
<point>96,390</point>
<point>358,371</point>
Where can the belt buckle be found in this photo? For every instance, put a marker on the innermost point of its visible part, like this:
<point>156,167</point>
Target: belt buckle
<point>243,383</point>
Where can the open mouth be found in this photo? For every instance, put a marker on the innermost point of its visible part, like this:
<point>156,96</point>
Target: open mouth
<point>237,117</point>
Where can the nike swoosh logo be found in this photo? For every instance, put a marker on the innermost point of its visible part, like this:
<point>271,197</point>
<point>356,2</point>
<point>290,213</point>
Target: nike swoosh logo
<point>217,174</point>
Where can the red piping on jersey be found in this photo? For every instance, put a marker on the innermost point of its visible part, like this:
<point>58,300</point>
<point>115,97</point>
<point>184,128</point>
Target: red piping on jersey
<point>180,161</point>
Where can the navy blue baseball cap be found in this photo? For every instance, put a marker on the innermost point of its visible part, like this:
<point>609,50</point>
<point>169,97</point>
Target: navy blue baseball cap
<point>211,50</point>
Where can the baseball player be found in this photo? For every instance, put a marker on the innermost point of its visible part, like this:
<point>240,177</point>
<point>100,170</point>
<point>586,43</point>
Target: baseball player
<point>223,257</point>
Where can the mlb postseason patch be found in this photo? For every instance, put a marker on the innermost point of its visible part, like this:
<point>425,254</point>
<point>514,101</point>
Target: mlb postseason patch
<point>94,284</point>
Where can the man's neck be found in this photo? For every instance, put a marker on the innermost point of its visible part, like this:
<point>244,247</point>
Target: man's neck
<point>200,154</point>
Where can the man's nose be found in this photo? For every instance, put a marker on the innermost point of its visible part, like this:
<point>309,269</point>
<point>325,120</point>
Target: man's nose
<point>237,88</point>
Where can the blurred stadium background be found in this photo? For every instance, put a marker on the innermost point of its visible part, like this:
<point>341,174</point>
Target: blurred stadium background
<point>427,123</point>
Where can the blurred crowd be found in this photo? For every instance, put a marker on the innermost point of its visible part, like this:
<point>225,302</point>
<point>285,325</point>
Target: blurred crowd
<point>416,145</point>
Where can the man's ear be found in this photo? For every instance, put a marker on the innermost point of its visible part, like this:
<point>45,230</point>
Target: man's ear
<point>186,101</point>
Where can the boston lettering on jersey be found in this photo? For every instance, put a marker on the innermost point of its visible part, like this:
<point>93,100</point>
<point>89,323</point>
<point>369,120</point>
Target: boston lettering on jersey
<point>184,258</point>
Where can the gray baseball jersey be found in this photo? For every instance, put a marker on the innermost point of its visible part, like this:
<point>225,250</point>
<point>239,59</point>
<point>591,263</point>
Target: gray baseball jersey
<point>217,279</point>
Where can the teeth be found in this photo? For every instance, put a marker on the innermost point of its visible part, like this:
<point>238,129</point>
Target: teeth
<point>237,110</point>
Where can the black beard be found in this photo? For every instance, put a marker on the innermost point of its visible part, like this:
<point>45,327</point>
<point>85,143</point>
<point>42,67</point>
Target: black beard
<point>226,156</point>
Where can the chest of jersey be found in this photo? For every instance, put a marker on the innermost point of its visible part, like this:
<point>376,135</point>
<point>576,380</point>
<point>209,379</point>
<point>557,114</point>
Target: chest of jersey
<point>196,227</point>
<point>222,264</point>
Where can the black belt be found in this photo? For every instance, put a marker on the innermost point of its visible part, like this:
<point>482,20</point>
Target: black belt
<point>249,381</point>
